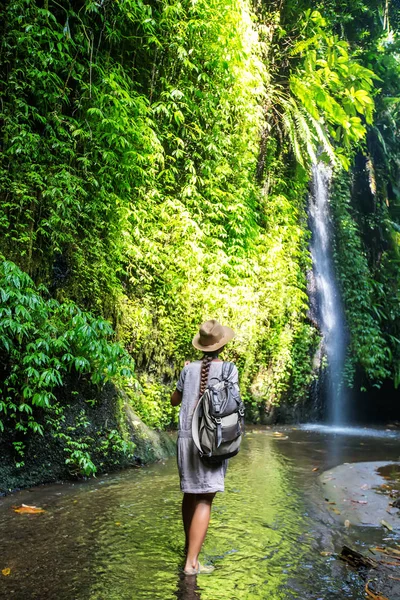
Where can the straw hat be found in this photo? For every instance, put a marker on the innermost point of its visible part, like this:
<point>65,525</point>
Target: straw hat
<point>212,336</point>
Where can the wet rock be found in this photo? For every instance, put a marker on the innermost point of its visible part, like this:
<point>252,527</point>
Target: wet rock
<point>354,489</point>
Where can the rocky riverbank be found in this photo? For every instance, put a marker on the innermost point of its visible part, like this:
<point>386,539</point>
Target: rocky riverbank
<point>106,432</point>
<point>367,494</point>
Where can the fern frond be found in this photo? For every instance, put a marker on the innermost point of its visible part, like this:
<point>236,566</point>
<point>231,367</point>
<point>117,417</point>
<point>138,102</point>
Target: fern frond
<point>291,132</point>
<point>324,140</point>
<point>306,135</point>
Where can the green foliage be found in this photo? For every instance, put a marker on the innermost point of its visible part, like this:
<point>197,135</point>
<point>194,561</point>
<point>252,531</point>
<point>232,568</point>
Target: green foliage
<point>41,341</point>
<point>150,400</point>
<point>74,156</point>
<point>368,215</point>
<point>383,216</point>
<point>368,347</point>
<point>306,341</point>
<point>154,171</point>
<point>85,448</point>
<point>326,101</point>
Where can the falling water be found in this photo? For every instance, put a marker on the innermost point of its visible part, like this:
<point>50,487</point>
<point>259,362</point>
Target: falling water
<point>329,310</point>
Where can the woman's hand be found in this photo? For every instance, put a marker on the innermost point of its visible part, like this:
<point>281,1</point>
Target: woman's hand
<point>176,398</point>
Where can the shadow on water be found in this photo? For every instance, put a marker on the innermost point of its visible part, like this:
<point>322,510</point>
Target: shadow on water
<point>187,588</point>
<point>120,538</point>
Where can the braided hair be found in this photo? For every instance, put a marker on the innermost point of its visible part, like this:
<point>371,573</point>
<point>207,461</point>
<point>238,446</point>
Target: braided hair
<point>205,369</point>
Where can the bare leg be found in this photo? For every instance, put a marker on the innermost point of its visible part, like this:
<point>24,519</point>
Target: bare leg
<point>188,506</point>
<point>198,529</point>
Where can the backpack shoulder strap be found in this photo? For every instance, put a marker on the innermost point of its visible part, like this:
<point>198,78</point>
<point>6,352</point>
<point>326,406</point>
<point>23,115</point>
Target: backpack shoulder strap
<point>227,369</point>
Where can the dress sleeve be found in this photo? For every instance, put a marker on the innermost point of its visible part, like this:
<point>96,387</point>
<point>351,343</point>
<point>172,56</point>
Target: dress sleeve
<point>181,380</point>
<point>234,376</point>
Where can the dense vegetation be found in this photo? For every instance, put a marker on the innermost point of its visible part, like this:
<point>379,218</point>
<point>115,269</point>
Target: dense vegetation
<point>154,172</point>
<point>366,211</point>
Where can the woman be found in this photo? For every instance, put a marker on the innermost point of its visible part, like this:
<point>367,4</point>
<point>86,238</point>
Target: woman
<point>200,481</point>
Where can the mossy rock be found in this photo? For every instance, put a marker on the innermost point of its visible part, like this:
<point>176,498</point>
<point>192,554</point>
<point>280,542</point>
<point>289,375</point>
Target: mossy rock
<point>45,456</point>
<point>150,445</point>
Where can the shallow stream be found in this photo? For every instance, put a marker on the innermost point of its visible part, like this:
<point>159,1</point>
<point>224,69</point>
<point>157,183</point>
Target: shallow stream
<point>119,537</point>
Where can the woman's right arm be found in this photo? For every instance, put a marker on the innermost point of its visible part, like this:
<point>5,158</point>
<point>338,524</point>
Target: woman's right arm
<point>176,396</point>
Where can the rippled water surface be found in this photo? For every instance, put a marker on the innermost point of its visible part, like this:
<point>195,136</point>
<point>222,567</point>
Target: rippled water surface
<point>120,537</point>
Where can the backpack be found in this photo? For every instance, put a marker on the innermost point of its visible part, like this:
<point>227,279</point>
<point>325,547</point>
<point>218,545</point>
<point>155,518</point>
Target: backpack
<point>218,419</point>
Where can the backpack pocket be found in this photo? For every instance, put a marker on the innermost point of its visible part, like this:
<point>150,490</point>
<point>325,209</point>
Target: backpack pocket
<point>230,427</point>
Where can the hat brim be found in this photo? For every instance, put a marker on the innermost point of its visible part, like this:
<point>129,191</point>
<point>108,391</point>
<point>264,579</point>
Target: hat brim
<point>229,334</point>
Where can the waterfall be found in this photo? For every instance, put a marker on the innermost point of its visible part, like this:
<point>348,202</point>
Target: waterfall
<point>328,306</point>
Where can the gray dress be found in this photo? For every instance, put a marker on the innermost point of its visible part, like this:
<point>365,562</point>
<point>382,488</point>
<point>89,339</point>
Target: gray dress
<point>197,477</point>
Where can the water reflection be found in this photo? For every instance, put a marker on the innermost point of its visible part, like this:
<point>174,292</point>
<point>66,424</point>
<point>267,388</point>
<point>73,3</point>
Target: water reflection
<point>351,431</point>
<point>121,539</point>
<point>187,588</point>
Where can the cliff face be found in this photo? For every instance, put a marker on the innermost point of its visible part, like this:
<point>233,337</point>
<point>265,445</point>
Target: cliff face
<point>154,173</point>
<point>98,438</point>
